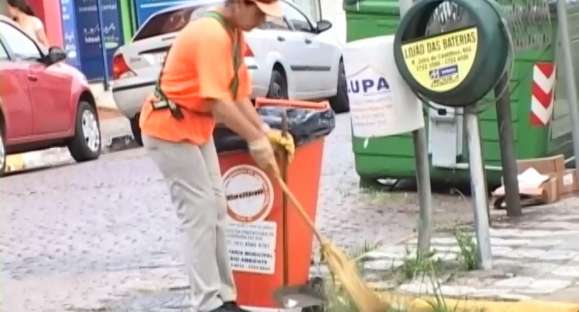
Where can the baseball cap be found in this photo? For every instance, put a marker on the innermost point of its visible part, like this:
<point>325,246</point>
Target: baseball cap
<point>269,7</point>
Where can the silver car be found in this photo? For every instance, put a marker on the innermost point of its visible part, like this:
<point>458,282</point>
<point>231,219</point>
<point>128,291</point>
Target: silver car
<point>287,58</point>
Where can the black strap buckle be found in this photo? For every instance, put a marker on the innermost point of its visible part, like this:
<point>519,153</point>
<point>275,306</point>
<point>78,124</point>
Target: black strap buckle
<point>164,103</point>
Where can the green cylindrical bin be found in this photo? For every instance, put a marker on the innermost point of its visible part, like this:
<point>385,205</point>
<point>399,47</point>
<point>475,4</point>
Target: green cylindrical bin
<point>367,18</point>
<point>481,32</point>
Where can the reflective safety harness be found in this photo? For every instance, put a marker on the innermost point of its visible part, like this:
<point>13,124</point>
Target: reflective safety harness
<point>176,111</point>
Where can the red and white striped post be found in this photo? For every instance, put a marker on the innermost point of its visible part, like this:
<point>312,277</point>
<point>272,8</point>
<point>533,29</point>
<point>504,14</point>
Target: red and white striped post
<point>543,94</point>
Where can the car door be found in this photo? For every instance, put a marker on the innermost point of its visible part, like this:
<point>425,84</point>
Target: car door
<point>14,99</point>
<point>49,88</point>
<point>50,95</point>
<point>312,61</point>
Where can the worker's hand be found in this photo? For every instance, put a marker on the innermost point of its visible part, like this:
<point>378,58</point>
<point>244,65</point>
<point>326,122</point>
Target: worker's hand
<point>263,154</point>
<point>282,143</point>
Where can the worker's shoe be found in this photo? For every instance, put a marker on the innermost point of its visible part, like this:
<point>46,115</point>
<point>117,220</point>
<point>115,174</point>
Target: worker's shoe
<point>231,306</point>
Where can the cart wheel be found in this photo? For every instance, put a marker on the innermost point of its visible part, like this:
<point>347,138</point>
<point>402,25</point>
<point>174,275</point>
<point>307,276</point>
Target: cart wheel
<point>314,309</point>
<point>317,284</point>
<point>376,184</point>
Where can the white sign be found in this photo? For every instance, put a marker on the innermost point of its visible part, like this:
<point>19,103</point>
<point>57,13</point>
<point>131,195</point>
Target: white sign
<point>381,103</point>
<point>249,194</point>
<point>252,246</point>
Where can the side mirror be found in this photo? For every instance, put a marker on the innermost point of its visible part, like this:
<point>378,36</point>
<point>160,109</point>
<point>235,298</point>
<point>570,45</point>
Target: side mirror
<point>55,55</point>
<point>323,25</point>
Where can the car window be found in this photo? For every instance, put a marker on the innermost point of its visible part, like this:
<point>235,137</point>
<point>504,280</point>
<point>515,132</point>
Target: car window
<point>275,23</point>
<point>296,18</point>
<point>169,22</point>
<point>165,23</point>
<point>20,45</point>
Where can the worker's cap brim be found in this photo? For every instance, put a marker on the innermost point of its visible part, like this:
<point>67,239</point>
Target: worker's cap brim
<point>269,7</point>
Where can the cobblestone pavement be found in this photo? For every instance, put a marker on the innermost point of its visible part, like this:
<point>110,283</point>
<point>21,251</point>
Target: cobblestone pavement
<point>100,236</point>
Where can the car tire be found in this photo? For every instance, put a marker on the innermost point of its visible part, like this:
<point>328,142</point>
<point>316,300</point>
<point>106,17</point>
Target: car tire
<point>340,103</point>
<point>136,129</point>
<point>86,143</point>
<point>278,88</point>
<point>2,151</point>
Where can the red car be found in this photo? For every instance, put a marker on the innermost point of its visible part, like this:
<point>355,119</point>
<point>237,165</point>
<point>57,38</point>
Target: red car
<point>43,101</point>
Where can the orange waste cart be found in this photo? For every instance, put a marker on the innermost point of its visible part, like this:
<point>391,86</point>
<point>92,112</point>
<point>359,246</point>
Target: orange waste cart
<point>269,243</point>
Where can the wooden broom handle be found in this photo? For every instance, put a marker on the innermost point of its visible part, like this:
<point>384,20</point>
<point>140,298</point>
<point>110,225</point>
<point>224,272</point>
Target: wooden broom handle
<point>299,206</point>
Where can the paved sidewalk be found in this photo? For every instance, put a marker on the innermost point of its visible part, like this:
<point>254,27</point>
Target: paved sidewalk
<point>104,98</point>
<point>536,257</point>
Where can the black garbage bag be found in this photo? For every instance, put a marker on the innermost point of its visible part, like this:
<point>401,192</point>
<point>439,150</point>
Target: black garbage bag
<point>304,125</point>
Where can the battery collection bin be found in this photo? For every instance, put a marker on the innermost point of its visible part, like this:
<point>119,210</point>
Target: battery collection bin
<point>270,245</point>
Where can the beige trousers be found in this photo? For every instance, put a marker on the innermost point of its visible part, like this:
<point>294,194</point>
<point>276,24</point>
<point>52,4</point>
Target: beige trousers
<point>196,188</point>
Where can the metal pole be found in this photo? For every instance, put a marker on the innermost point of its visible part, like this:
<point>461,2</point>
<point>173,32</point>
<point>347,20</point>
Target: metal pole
<point>422,174</point>
<point>479,190</point>
<point>424,191</point>
<point>570,75</point>
<point>103,44</point>
<point>508,157</point>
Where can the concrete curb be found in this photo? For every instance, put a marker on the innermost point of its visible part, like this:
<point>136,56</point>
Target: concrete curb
<point>37,159</point>
<point>15,162</point>
<point>103,98</point>
<point>467,305</point>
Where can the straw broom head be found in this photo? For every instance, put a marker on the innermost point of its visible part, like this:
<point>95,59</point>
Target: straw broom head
<point>346,272</point>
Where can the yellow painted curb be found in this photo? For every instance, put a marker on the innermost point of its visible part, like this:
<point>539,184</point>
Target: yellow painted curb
<point>15,162</point>
<point>468,305</point>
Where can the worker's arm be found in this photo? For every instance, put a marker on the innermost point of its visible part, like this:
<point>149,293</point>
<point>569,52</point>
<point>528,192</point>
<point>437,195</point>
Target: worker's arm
<point>213,62</point>
<point>275,136</point>
<point>235,118</point>
<point>247,108</point>
<point>258,144</point>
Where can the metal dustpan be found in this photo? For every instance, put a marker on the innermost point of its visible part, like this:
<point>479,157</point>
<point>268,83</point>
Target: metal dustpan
<point>302,296</point>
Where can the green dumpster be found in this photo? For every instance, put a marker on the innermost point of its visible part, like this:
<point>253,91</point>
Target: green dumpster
<point>393,157</point>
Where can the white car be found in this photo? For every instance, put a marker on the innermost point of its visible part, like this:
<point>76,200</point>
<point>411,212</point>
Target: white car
<point>287,58</point>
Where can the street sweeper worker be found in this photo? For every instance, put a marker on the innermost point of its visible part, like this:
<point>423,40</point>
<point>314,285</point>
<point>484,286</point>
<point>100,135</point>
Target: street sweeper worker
<point>203,81</point>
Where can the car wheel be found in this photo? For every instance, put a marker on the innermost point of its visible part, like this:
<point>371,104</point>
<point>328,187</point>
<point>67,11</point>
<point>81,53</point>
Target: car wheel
<point>340,103</point>
<point>136,130</point>
<point>2,152</point>
<point>86,144</point>
<point>278,85</point>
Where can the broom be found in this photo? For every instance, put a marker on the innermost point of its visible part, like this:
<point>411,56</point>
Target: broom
<point>342,268</point>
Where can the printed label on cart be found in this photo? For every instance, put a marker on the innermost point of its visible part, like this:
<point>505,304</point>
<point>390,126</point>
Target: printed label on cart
<point>249,194</point>
<point>252,246</point>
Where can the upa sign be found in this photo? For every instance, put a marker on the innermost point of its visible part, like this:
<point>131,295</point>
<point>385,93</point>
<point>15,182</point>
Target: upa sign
<point>452,52</point>
<point>381,104</point>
